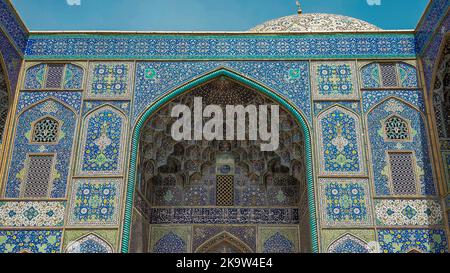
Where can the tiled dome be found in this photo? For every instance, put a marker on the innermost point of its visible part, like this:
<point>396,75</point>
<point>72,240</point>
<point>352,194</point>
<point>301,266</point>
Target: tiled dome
<point>315,22</point>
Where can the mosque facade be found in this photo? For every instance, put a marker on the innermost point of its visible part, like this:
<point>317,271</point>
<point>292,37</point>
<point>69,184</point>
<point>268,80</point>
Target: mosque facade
<point>89,164</point>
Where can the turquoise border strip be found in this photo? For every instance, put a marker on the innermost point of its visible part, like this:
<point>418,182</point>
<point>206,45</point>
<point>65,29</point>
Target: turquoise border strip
<point>209,58</point>
<point>167,98</point>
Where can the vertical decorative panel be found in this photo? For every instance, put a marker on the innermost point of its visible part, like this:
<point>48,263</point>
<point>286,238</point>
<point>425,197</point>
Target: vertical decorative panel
<point>102,142</point>
<point>339,137</point>
<point>380,148</point>
<point>110,80</point>
<point>19,169</point>
<point>334,80</point>
<point>344,202</point>
<point>95,202</point>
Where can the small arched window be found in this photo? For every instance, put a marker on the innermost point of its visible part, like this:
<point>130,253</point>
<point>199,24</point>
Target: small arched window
<point>396,129</point>
<point>45,130</point>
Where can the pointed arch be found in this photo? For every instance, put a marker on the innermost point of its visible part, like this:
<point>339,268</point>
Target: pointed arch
<point>278,243</point>
<point>396,128</point>
<point>293,110</point>
<point>90,243</point>
<point>70,77</point>
<point>392,97</point>
<point>348,243</point>
<point>170,243</point>
<point>342,154</point>
<point>380,149</point>
<point>45,130</point>
<point>373,75</point>
<point>226,240</point>
<point>49,98</point>
<point>102,141</point>
<point>5,98</point>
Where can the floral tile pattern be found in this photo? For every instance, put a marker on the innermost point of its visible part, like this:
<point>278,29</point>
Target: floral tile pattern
<point>344,202</point>
<point>334,80</point>
<point>32,214</point>
<point>102,140</point>
<point>110,80</point>
<point>406,240</point>
<point>95,202</point>
<point>33,241</point>
<point>340,149</point>
<point>408,212</point>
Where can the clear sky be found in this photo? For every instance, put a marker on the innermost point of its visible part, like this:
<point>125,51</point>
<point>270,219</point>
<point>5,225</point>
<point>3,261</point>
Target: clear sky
<point>204,15</point>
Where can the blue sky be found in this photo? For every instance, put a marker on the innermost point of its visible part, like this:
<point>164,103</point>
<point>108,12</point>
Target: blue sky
<point>203,15</point>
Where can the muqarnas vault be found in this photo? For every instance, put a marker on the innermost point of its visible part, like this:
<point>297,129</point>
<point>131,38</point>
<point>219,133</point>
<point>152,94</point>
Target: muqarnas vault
<point>88,163</point>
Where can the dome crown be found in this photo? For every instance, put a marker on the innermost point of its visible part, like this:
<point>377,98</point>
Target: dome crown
<point>315,22</point>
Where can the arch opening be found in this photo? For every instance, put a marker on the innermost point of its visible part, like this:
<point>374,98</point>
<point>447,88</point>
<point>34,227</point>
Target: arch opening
<point>4,102</point>
<point>211,180</point>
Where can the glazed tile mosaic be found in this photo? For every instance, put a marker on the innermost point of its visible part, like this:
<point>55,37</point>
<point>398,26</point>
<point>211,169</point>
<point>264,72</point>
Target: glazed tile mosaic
<point>170,239</point>
<point>406,240</point>
<point>91,165</point>
<point>95,202</point>
<point>32,241</point>
<point>88,241</point>
<point>340,147</point>
<point>278,240</point>
<point>19,174</point>
<point>110,80</point>
<point>205,237</point>
<point>224,216</point>
<point>334,80</point>
<point>289,79</point>
<point>345,202</point>
<point>237,47</point>
<point>348,241</point>
<point>408,212</point>
<point>102,140</point>
<point>32,214</point>
<point>418,147</point>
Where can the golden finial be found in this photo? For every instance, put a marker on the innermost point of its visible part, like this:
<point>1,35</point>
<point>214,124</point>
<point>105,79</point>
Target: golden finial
<point>299,8</point>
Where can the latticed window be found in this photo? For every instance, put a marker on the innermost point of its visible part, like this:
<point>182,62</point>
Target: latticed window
<point>402,173</point>
<point>46,131</point>
<point>55,74</point>
<point>389,75</point>
<point>396,128</point>
<point>225,190</point>
<point>4,103</point>
<point>38,177</point>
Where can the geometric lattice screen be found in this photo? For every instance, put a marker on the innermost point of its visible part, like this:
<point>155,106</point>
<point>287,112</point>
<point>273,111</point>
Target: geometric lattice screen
<point>225,190</point>
<point>54,75</point>
<point>37,182</point>
<point>402,173</point>
<point>45,131</point>
<point>389,75</point>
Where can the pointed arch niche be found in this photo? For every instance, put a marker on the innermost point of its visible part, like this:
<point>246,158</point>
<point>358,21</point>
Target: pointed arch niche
<point>224,243</point>
<point>4,101</point>
<point>207,180</point>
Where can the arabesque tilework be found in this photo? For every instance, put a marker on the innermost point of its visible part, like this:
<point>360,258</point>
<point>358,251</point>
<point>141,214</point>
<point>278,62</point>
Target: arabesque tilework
<point>67,119</point>
<point>32,241</point>
<point>408,212</point>
<point>360,97</point>
<point>418,144</point>
<point>340,145</point>
<point>110,80</point>
<point>334,80</point>
<point>95,202</point>
<point>32,214</point>
<point>344,202</point>
<point>102,140</point>
<point>406,240</point>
